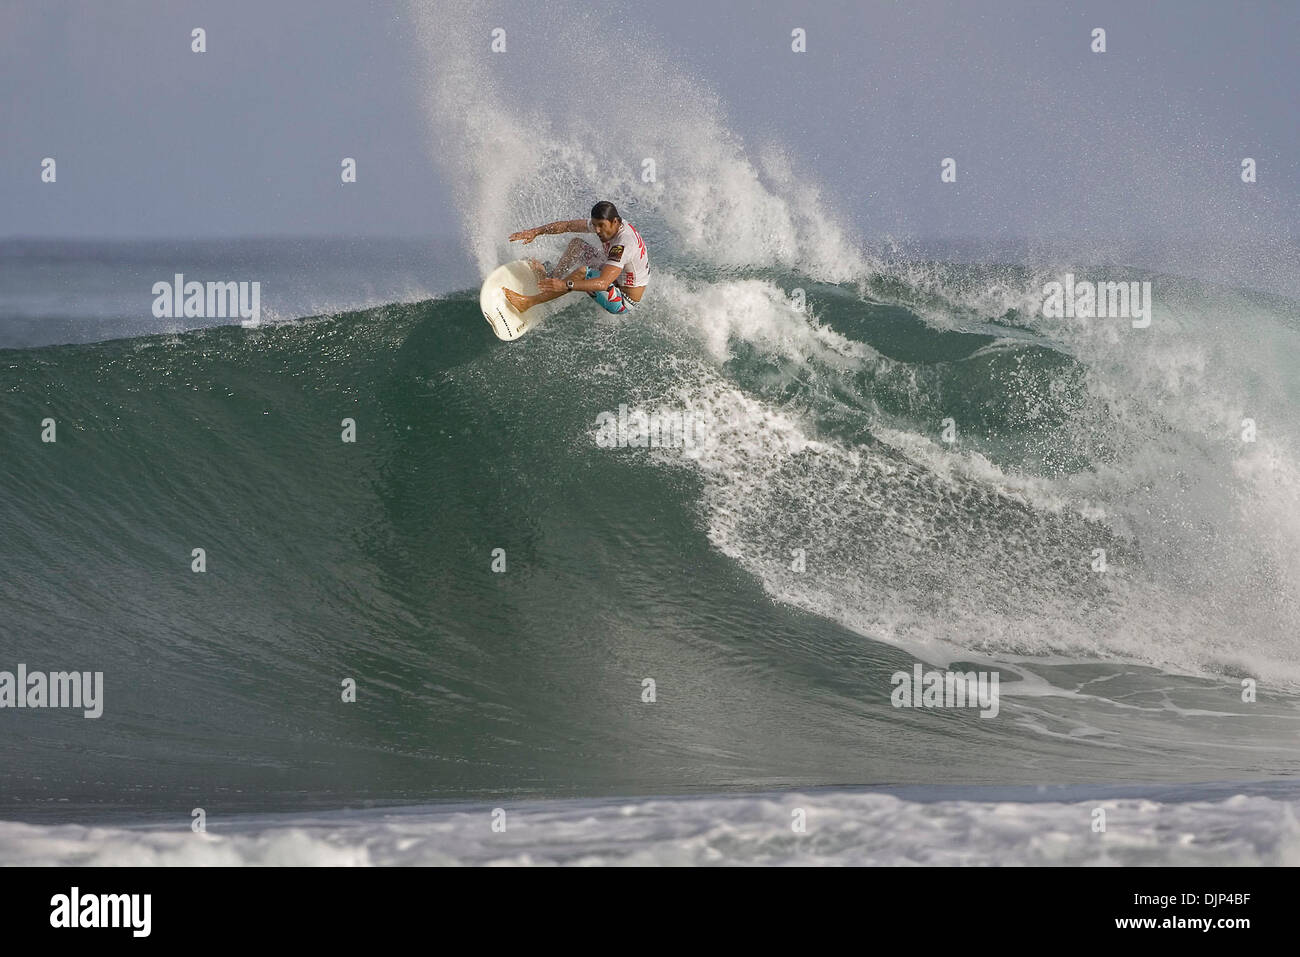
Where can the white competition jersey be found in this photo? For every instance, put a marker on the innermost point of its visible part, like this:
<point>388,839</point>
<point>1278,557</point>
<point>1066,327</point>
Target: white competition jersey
<point>626,249</point>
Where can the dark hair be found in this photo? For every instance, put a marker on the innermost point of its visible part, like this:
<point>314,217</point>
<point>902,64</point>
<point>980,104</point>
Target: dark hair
<point>605,210</point>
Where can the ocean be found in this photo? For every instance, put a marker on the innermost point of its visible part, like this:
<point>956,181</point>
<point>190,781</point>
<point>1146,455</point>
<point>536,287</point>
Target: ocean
<point>500,583</point>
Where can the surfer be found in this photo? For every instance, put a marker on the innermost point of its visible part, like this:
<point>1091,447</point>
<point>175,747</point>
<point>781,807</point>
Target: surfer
<point>617,283</point>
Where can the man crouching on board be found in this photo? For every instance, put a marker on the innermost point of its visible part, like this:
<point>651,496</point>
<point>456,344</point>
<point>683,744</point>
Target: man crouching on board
<point>617,285</point>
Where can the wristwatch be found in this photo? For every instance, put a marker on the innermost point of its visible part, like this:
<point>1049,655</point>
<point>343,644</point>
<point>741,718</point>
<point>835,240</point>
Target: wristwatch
<point>569,283</point>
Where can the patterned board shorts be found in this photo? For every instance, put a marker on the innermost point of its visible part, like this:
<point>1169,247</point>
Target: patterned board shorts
<point>611,299</point>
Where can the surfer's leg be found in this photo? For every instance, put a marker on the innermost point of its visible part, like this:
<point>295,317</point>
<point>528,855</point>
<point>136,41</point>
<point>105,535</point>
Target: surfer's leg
<point>577,252</point>
<point>523,303</point>
<point>611,299</point>
<point>518,300</point>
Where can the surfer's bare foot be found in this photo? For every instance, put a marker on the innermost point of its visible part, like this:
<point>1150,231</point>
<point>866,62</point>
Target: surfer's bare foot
<point>520,302</point>
<point>538,269</point>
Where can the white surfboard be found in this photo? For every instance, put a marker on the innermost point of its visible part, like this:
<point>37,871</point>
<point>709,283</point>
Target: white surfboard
<point>501,316</point>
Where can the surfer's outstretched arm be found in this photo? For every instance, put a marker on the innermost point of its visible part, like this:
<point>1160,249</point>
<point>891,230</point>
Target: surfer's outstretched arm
<point>557,228</point>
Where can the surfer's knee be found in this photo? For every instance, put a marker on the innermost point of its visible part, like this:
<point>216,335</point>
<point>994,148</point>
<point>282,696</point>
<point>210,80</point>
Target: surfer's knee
<point>611,299</point>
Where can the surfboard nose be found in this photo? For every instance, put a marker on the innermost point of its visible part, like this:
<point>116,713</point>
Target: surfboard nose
<point>519,278</point>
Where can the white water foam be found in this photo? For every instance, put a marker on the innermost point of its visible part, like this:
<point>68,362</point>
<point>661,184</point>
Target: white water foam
<point>526,136</point>
<point>843,828</point>
<point>917,542</point>
<point>943,551</point>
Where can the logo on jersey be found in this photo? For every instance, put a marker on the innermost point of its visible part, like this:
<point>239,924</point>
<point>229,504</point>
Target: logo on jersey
<point>616,252</point>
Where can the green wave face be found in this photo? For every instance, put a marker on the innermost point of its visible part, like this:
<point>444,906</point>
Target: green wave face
<point>504,590</point>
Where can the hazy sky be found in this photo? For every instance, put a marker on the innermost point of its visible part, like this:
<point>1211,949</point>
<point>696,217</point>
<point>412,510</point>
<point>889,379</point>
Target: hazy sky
<point>1050,138</point>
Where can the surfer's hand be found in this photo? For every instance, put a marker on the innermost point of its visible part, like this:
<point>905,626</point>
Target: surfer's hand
<point>551,285</point>
<point>527,235</point>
